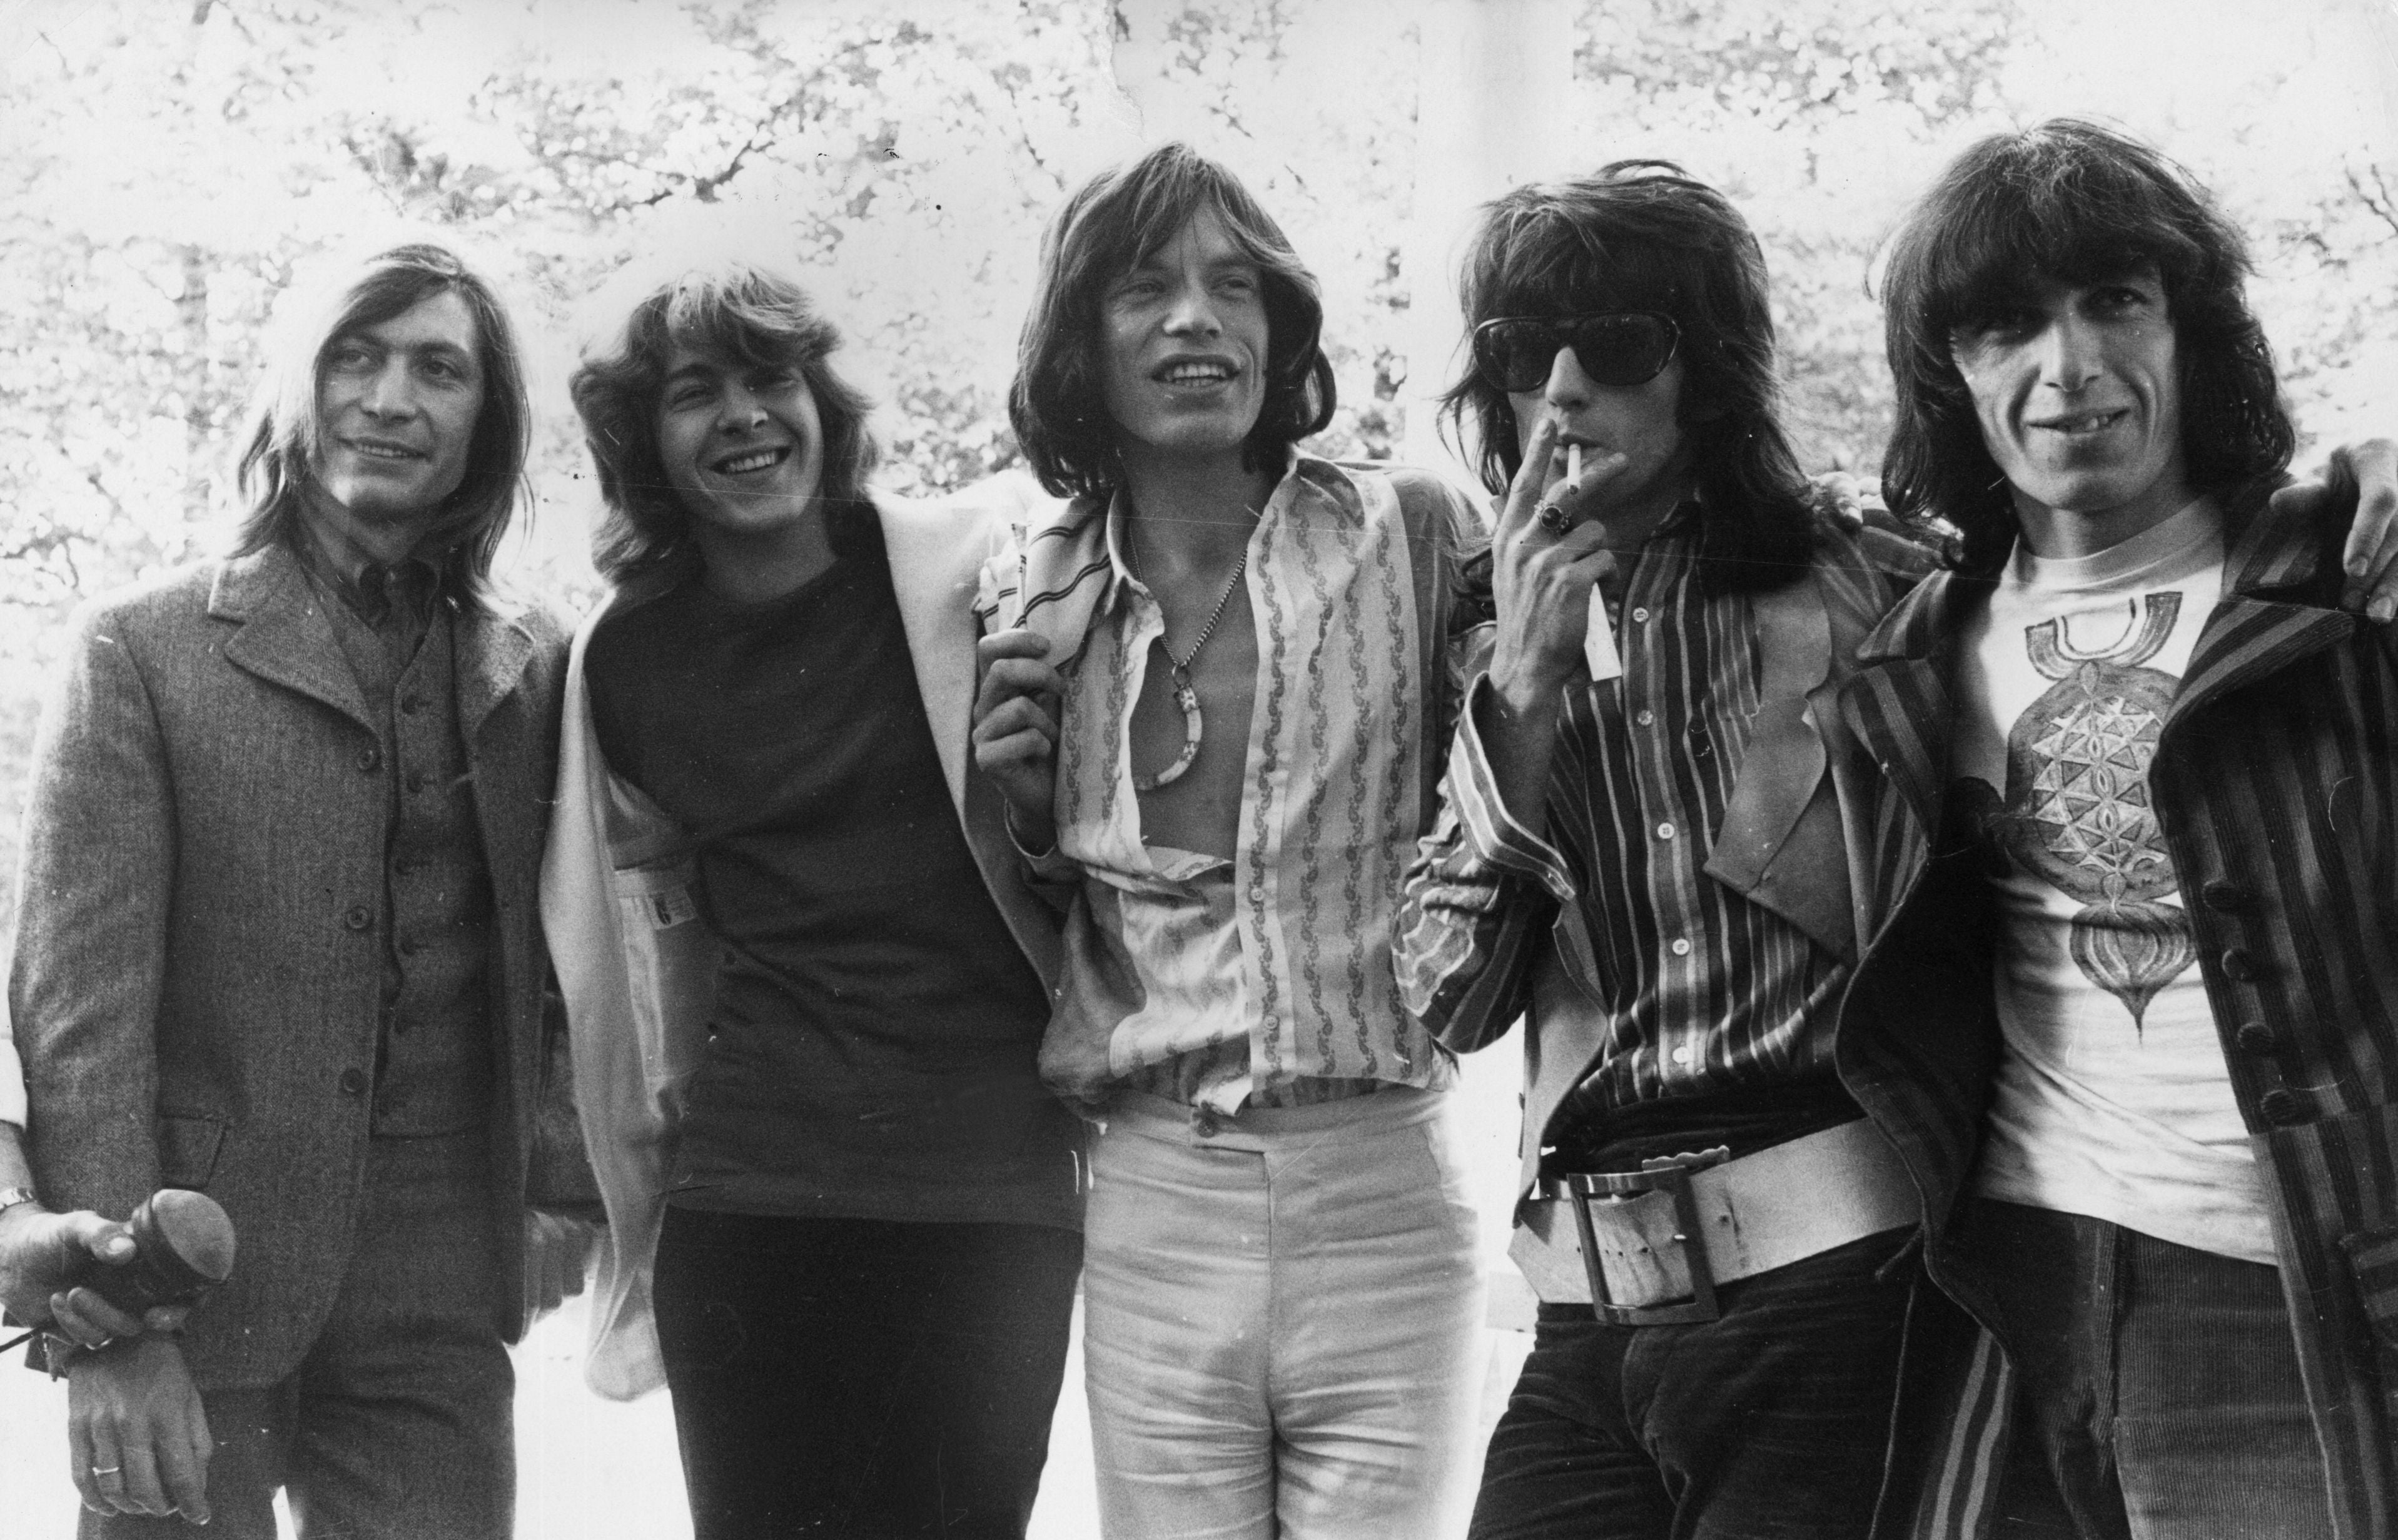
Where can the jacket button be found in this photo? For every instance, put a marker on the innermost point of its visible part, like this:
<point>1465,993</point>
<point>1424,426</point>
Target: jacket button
<point>369,759</point>
<point>353,1082</point>
<point>2255,1039</point>
<point>360,917</point>
<point>2241,964</point>
<point>410,704</point>
<point>2224,895</point>
<point>2281,1108</point>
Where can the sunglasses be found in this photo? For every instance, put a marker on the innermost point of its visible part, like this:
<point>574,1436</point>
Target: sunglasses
<point>1614,348</point>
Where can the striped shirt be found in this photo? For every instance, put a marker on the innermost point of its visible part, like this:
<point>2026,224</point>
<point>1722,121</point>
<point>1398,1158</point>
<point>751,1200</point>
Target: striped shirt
<point>1267,978</point>
<point>1706,993</point>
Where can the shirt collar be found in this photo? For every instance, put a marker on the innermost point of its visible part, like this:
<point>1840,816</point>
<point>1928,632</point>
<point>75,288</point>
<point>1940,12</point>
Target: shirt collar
<point>1121,578</point>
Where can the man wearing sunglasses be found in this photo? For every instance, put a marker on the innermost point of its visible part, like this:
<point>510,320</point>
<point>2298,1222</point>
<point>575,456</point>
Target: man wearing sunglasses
<point>1655,820</point>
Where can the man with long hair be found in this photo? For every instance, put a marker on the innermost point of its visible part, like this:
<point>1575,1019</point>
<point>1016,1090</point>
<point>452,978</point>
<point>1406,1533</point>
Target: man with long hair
<point>2132,1016</point>
<point>806,979</point>
<point>279,943</point>
<point>1645,849</point>
<point>1213,701</point>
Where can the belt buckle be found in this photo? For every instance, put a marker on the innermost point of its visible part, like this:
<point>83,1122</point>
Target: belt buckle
<point>1671,1173</point>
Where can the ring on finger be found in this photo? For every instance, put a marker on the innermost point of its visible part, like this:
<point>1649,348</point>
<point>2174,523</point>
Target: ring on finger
<point>1554,519</point>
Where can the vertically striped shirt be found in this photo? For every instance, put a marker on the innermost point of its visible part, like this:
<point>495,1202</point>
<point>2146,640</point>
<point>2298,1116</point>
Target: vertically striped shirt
<point>1268,976</point>
<point>1706,993</point>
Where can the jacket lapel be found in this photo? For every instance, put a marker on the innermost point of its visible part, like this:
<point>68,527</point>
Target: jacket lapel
<point>493,650</point>
<point>1899,703</point>
<point>935,553</point>
<point>935,588</point>
<point>2264,621</point>
<point>1780,840</point>
<point>284,637</point>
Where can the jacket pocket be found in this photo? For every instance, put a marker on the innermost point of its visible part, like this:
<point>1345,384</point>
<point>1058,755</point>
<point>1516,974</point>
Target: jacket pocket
<point>2373,1266</point>
<point>188,1146</point>
<point>671,961</point>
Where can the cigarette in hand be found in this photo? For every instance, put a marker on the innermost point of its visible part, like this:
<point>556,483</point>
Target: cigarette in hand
<point>1573,466</point>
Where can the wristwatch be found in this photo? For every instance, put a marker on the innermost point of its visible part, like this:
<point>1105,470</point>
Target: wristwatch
<point>11,1197</point>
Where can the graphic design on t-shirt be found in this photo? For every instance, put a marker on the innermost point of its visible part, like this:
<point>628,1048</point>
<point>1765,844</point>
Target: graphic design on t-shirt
<point>2077,811</point>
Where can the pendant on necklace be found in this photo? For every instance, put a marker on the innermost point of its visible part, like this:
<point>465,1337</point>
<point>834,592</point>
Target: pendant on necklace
<point>1195,727</point>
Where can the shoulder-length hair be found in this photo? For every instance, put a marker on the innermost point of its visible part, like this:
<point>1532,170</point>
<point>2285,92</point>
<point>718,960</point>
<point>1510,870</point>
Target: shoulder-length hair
<point>736,311</point>
<point>1642,235</point>
<point>286,435</point>
<point>2079,204</point>
<point>1113,223</point>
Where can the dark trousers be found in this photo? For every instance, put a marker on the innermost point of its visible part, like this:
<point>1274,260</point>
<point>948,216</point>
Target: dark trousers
<point>397,1426</point>
<point>862,1378</point>
<point>2159,1393</point>
<point>1771,1420</point>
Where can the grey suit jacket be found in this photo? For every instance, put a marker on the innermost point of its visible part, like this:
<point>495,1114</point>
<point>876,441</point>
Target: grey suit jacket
<point>197,974</point>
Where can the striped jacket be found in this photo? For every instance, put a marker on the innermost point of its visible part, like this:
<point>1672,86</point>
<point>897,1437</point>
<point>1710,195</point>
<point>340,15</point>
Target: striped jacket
<point>2275,780</point>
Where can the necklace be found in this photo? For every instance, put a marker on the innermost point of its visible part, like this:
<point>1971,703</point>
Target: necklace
<point>1195,727</point>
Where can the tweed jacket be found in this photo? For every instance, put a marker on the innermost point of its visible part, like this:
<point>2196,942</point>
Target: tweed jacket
<point>638,967</point>
<point>197,985</point>
<point>2275,781</point>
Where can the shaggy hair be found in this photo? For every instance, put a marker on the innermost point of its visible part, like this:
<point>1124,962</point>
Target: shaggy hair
<point>736,311</point>
<point>2079,204</point>
<point>285,434</point>
<point>1641,235</point>
<point>1118,220</point>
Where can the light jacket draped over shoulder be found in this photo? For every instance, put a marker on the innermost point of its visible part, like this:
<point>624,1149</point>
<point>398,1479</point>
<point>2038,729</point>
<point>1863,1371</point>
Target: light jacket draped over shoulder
<point>638,967</point>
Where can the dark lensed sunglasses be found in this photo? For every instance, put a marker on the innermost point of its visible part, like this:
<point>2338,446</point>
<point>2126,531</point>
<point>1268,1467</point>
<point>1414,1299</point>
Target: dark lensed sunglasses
<point>1614,348</point>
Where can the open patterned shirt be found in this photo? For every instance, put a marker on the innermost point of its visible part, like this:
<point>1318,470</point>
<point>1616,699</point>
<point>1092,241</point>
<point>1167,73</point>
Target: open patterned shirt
<point>1268,978</point>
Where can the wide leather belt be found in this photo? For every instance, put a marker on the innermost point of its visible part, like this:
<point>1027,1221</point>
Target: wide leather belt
<point>1649,1247</point>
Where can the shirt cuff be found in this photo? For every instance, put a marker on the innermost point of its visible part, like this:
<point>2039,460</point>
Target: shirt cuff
<point>1047,865</point>
<point>1492,834</point>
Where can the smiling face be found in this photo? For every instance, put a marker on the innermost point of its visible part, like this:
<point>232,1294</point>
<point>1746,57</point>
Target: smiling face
<point>1642,421</point>
<point>1183,348</point>
<point>2077,391</point>
<point>396,405</point>
<point>742,444</point>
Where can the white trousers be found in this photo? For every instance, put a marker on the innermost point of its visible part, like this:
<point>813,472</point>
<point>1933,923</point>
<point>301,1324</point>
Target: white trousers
<point>1282,1314</point>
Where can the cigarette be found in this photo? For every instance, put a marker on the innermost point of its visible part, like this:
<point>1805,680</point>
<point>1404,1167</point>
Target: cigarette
<point>1573,466</point>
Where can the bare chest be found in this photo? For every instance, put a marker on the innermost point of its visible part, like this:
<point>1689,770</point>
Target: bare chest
<point>1203,715</point>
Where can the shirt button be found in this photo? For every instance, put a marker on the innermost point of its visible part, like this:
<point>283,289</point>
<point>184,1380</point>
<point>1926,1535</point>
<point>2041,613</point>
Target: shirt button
<point>1681,946</point>
<point>1682,1055</point>
<point>2255,1038</point>
<point>1665,831</point>
<point>2281,1108</point>
<point>369,759</point>
<point>1640,615</point>
<point>360,917</point>
<point>353,1082</point>
<point>416,780</point>
<point>2222,895</point>
<point>1646,719</point>
<point>2241,964</point>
